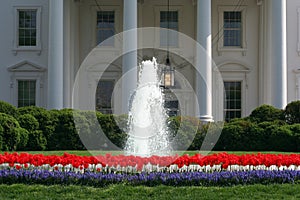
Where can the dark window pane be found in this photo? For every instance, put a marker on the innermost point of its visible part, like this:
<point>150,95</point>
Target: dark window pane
<point>104,96</point>
<point>105,27</point>
<point>169,19</point>
<point>232,100</point>
<point>26,92</point>
<point>27,28</point>
<point>232,32</point>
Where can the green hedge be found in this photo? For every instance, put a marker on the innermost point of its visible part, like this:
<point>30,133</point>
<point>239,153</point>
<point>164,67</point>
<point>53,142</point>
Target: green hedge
<point>292,112</point>
<point>12,136</point>
<point>36,139</point>
<point>266,113</point>
<point>47,120</point>
<point>8,109</point>
<point>34,128</point>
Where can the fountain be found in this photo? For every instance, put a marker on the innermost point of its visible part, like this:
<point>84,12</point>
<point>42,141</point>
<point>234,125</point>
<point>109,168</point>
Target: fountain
<point>147,131</point>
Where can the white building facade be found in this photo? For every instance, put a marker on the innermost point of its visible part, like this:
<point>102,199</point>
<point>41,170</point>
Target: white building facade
<point>255,44</point>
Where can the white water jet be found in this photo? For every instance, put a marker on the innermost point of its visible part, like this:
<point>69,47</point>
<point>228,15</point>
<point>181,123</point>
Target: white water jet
<point>148,132</point>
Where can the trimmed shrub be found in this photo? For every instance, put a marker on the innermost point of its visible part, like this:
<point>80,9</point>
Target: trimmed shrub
<point>8,109</point>
<point>266,113</point>
<point>47,120</point>
<point>36,140</point>
<point>13,136</point>
<point>281,139</point>
<point>115,137</point>
<point>240,135</point>
<point>1,136</point>
<point>65,136</point>
<point>183,132</point>
<point>295,128</point>
<point>28,122</point>
<point>91,137</point>
<point>231,137</point>
<point>210,134</point>
<point>292,112</point>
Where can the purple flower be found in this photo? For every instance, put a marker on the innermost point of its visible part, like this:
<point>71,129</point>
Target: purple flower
<point>224,178</point>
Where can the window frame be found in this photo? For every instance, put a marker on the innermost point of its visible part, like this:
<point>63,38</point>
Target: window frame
<point>157,10</point>
<point>117,26</point>
<point>236,71</point>
<point>35,98</point>
<point>231,29</point>
<point>27,70</point>
<point>243,47</point>
<point>225,109</point>
<point>114,27</point>
<point>23,77</point>
<point>177,42</point>
<point>112,97</point>
<point>38,46</point>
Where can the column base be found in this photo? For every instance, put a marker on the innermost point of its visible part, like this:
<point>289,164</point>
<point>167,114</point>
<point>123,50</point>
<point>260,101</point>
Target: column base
<point>206,118</point>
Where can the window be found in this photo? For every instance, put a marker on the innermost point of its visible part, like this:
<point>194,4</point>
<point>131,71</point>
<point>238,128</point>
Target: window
<point>27,28</point>
<point>232,29</point>
<point>169,19</point>
<point>233,100</point>
<point>105,27</point>
<point>104,96</point>
<point>26,93</point>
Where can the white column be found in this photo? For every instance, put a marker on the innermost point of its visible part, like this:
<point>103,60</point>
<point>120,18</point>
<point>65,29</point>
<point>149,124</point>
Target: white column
<point>129,81</point>
<point>55,58</point>
<point>203,60</point>
<point>279,53</point>
<point>67,54</point>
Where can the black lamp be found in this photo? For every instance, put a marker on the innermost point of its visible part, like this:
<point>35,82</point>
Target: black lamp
<point>168,70</point>
<point>168,74</point>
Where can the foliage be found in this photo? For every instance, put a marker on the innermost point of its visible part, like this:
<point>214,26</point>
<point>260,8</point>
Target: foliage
<point>266,129</point>
<point>282,138</point>
<point>266,113</point>
<point>292,112</point>
<point>121,191</point>
<point>65,136</point>
<point>28,122</point>
<point>116,137</point>
<point>36,138</point>
<point>223,178</point>
<point>47,121</point>
<point>36,141</point>
<point>8,109</point>
<point>13,136</point>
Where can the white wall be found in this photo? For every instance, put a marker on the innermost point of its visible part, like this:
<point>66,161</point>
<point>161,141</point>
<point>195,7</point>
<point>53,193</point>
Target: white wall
<point>83,41</point>
<point>293,48</point>
<point>237,60</point>
<point>8,57</point>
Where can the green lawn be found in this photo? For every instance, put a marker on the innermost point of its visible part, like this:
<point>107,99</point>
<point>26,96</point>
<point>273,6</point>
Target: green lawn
<point>32,192</point>
<point>87,153</point>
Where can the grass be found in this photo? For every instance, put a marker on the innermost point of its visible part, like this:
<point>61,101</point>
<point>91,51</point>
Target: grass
<point>33,192</point>
<point>88,153</point>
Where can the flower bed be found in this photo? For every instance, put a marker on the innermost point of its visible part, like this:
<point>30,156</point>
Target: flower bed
<point>224,178</point>
<point>216,169</point>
